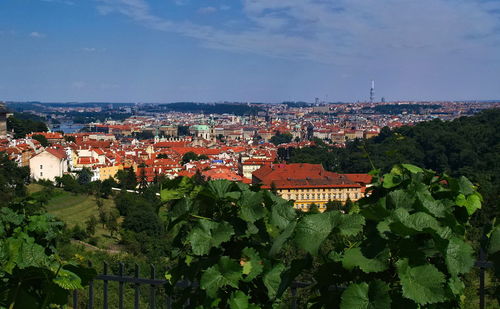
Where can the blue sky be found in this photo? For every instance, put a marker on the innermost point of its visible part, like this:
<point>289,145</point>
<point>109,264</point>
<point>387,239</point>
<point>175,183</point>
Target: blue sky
<point>248,50</point>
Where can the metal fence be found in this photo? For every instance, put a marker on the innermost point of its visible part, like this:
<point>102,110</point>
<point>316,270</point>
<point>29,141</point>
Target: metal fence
<point>154,285</point>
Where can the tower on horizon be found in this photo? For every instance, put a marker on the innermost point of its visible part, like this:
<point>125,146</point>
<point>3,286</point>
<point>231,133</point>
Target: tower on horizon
<point>372,91</point>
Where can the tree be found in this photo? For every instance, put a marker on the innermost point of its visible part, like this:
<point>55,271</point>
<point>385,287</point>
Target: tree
<point>127,178</point>
<point>24,123</point>
<point>188,157</point>
<point>12,180</point>
<point>90,225</point>
<point>107,186</point>
<point>69,138</point>
<point>334,205</point>
<point>85,176</point>
<point>162,156</point>
<point>69,183</point>
<point>202,157</point>
<point>142,219</point>
<point>281,138</point>
<point>42,139</point>
<point>112,222</point>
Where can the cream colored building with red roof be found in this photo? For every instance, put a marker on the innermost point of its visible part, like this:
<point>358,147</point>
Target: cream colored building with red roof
<point>49,164</point>
<point>308,184</point>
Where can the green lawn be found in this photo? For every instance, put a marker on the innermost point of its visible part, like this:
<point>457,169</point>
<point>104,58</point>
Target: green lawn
<point>75,209</point>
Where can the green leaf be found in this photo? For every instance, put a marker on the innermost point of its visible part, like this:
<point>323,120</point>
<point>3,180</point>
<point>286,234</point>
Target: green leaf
<point>282,238</point>
<point>218,188</point>
<point>459,257</point>
<point>495,240</point>
<point>282,213</point>
<point>169,195</point>
<point>465,186</point>
<point>252,264</point>
<point>312,230</point>
<point>473,203</point>
<point>456,285</point>
<point>391,180</point>
<point>226,273</point>
<point>422,284</point>
<point>366,296</point>
<point>272,280</point>
<point>412,168</point>
<point>240,300</point>
<point>354,258</point>
<point>401,199</point>
<point>208,234</point>
<point>433,206</point>
<point>350,224</point>
<point>68,280</point>
<point>251,206</point>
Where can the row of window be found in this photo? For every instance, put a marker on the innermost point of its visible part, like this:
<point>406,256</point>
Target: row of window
<point>321,190</point>
<point>321,196</point>
<point>307,206</point>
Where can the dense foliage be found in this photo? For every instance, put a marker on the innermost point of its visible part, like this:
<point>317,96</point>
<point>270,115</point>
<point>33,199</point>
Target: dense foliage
<point>281,138</point>
<point>32,274</point>
<point>22,124</point>
<point>467,146</point>
<point>407,246</point>
<point>236,109</point>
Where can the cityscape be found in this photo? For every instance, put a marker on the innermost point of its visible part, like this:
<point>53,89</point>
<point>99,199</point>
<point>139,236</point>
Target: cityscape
<point>249,154</point>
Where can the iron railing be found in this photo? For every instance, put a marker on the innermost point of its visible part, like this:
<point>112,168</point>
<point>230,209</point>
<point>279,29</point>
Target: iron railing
<point>155,284</point>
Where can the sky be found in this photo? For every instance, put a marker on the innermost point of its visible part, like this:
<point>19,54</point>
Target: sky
<point>248,50</point>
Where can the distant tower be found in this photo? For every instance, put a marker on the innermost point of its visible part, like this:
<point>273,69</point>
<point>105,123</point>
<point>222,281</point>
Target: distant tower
<point>372,91</point>
<point>3,120</point>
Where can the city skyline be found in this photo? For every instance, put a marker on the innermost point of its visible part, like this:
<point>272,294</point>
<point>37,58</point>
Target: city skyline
<point>252,50</point>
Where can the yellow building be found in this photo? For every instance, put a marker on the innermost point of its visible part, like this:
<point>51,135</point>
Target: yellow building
<point>109,171</point>
<point>308,184</point>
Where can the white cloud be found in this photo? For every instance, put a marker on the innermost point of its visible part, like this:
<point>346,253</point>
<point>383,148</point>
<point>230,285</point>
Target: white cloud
<point>93,50</point>
<point>207,10</point>
<point>67,2</point>
<point>342,31</point>
<point>37,35</point>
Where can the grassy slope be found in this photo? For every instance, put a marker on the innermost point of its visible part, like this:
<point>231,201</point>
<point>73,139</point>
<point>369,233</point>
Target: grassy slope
<point>75,209</point>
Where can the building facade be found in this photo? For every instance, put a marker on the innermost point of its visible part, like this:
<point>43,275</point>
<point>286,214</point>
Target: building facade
<point>308,184</point>
<point>48,164</point>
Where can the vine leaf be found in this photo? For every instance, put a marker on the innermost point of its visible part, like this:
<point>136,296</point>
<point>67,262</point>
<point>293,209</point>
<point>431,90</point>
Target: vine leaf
<point>252,264</point>
<point>226,273</point>
<point>312,230</point>
<point>355,258</point>
<point>240,300</point>
<point>366,296</point>
<point>459,256</point>
<point>208,234</point>
<point>422,284</point>
<point>252,208</point>
<point>272,280</point>
<point>495,240</point>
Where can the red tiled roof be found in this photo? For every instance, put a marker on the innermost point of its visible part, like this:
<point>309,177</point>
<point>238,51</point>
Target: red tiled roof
<point>58,153</point>
<point>301,175</point>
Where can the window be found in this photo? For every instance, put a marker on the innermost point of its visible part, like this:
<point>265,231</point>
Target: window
<point>41,167</point>
<point>41,174</point>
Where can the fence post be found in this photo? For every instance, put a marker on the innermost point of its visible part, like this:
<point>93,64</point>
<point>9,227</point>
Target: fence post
<point>136,288</point>
<point>152,288</point>
<point>120,288</point>
<point>482,260</point>
<point>75,299</point>
<point>105,287</point>
<point>91,290</point>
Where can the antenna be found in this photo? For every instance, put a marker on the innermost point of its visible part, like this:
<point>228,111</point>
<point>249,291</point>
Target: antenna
<point>372,91</point>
